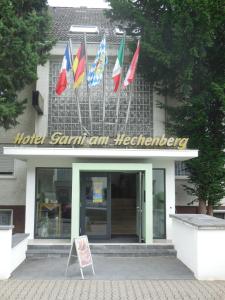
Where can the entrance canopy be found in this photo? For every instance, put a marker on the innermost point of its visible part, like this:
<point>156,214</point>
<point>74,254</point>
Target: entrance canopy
<point>164,154</point>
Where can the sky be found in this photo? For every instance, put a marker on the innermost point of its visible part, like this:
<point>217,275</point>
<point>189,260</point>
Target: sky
<point>77,3</point>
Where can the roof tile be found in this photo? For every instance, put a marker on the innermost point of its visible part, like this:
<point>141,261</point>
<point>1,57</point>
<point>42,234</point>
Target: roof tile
<point>64,17</point>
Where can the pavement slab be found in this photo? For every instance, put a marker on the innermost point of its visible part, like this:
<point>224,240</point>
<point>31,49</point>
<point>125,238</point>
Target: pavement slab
<point>16,289</point>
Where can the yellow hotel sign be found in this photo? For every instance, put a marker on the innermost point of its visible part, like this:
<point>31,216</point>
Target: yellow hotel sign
<point>120,140</point>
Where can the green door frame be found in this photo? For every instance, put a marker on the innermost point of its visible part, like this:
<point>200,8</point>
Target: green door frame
<point>113,167</point>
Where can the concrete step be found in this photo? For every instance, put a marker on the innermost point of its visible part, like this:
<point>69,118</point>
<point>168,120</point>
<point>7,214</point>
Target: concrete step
<point>113,250</point>
<point>102,246</point>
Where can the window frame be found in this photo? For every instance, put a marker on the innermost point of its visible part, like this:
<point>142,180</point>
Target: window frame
<point>35,208</point>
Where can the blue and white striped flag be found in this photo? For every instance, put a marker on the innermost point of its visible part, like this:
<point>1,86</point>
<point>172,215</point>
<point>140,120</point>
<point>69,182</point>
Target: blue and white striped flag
<point>95,73</point>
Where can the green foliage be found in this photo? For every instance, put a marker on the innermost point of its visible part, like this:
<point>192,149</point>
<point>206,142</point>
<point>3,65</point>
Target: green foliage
<point>202,119</point>
<point>24,42</point>
<point>183,55</point>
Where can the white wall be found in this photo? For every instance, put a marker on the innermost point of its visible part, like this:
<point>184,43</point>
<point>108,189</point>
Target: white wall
<point>184,238</point>
<point>10,258</point>
<point>5,253</point>
<point>210,255</point>
<point>42,85</point>
<point>30,201</point>
<point>201,250</point>
<point>13,188</point>
<point>18,254</point>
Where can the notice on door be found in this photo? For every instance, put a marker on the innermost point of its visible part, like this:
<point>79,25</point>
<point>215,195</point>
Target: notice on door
<point>98,190</point>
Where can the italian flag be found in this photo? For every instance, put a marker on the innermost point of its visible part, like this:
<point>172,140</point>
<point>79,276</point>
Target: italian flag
<point>117,70</point>
<point>132,69</point>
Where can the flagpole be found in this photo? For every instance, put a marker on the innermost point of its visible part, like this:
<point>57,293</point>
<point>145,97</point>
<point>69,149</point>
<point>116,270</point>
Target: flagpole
<point>128,109</point>
<point>130,78</point>
<point>119,92</point>
<point>103,117</point>
<point>88,89</point>
<point>75,91</point>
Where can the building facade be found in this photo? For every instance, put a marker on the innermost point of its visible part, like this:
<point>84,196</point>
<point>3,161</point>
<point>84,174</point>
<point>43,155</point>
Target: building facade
<point>100,172</point>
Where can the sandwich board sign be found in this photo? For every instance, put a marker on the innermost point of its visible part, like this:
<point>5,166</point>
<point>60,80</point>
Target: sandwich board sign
<point>80,248</point>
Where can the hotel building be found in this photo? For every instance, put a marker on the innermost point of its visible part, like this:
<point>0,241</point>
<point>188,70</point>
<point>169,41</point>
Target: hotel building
<point>110,171</point>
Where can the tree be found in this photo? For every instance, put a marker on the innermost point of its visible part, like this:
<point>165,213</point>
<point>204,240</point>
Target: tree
<point>24,42</point>
<point>183,55</point>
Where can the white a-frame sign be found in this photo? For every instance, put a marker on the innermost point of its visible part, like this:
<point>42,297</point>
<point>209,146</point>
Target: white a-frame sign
<point>80,248</point>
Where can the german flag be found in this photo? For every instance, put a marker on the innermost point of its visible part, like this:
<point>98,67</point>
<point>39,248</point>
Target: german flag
<point>79,64</point>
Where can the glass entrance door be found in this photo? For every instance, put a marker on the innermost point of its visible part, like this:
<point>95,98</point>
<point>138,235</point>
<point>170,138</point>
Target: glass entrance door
<point>95,205</point>
<point>140,195</point>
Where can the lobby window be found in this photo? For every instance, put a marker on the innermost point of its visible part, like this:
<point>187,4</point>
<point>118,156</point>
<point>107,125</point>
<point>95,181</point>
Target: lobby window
<point>181,169</point>
<point>6,163</point>
<point>53,202</point>
<point>159,204</point>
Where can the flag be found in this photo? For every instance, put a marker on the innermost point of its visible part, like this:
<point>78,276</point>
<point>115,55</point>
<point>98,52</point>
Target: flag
<point>118,65</point>
<point>95,73</point>
<point>63,75</point>
<point>78,68</point>
<point>132,69</point>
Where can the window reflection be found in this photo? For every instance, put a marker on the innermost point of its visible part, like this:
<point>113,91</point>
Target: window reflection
<point>159,229</point>
<point>53,203</point>
<point>95,202</point>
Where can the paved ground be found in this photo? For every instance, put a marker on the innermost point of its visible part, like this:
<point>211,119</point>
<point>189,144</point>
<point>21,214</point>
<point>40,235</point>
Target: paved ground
<point>106,268</point>
<point>111,290</point>
<point>116,278</point>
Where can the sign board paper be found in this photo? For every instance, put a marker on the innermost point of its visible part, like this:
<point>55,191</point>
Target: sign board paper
<point>83,251</point>
<point>80,248</point>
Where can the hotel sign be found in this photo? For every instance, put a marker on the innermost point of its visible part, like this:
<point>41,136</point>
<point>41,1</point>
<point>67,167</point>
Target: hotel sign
<point>120,140</point>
